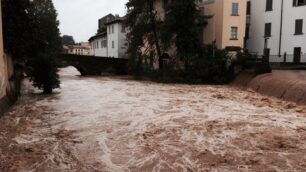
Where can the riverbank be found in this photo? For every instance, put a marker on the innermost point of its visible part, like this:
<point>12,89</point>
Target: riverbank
<point>289,85</point>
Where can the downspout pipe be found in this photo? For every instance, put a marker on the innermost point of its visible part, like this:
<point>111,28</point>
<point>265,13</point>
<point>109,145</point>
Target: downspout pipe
<point>281,29</point>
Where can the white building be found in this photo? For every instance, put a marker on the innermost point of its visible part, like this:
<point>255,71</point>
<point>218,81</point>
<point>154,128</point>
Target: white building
<point>111,43</point>
<point>276,27</point>
<point>99,45</point>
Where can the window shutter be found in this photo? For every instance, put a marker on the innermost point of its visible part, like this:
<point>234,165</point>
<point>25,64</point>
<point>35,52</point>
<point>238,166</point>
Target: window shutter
<point>299,26</point>
<point>268,30</point>
<point>269,5</point>
<point>294,2</point>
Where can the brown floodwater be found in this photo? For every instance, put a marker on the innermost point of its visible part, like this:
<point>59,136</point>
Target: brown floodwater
<point>117,124</point>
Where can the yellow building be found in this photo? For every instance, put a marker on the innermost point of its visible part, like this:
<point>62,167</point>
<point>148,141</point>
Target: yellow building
<point>226,25</point>
<point>227,22</point>
<point>80,49</point>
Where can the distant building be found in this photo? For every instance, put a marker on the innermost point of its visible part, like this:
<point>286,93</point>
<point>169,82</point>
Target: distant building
<point>80,49</point>
<point>112,42</point>
<point>99,45</point>
<point>276,28</point>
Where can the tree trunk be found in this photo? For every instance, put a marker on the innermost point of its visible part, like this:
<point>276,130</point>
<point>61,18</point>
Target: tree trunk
<point>151,2</point>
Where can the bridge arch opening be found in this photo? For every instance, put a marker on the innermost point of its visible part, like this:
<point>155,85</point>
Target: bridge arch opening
<point>69,71</point>
<point>80,69</point>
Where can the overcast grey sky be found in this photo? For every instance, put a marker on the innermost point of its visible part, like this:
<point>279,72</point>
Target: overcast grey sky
<point>79,18</point>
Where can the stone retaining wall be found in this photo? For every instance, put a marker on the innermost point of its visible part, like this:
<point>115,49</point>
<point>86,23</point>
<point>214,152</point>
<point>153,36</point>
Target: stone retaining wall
<point>283,84</point>
<point>8,90</point>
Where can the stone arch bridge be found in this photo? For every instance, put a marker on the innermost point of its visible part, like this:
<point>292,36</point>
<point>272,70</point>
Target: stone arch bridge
<point>93,65</point>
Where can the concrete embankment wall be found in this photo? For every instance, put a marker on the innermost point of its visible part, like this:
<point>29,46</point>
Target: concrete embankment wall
<point>8,85</point>
<point>8,90</point>
<point>283,84</point>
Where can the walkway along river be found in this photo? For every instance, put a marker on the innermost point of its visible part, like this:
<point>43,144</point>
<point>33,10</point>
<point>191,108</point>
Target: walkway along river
<point>117,124</point>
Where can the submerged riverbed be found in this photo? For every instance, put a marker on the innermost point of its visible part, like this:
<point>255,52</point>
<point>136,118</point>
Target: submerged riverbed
<point>118,124</point>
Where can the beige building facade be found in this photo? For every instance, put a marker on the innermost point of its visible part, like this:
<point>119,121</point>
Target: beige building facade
<point>226,23</point>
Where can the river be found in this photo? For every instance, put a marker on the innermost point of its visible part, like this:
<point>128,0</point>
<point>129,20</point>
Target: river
<point>113,123</point>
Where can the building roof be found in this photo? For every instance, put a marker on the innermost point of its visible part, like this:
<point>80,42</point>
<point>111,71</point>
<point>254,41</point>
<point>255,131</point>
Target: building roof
<point>100,35</point>
<point>106,19</point>
<point>117,20</point>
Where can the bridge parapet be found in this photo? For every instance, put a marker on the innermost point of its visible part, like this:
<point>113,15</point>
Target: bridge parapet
<point>93,65</point>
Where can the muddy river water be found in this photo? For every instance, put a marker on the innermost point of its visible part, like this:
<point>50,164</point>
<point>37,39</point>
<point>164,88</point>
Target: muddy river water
<point>103,124</point>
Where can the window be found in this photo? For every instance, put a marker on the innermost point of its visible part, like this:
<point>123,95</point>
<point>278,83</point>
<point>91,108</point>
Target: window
<point>268,27</point>
<point>113,29</point>
<point>299,27</point>
<point>122,28</point>
<point>269,5</point>
<point>249,8</point>
<point>297,3</point>
<point>97,44</point>
<point>113,44</point>
<point>235,9</point>
<point>104,43</point>
<point>234,33</point>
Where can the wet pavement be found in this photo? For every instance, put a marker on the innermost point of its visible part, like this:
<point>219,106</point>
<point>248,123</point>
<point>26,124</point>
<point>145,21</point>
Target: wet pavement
<point>117,124</point>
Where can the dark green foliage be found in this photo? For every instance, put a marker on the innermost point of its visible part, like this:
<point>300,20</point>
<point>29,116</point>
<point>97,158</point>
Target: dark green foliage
<point>180,29</point>
<point>141,50</point>
<point>44,73</point>
<point>44,66</point>
<point>32,36</point>
<point>203,69</point>
<point>192,63</point>
<point>210,69</point>
<point>17,28</point>
<point>68,40</point>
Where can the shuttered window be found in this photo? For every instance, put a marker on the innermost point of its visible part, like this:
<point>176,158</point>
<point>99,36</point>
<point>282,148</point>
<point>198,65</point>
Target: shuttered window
<point>268,27</point>
<point>299,27</point>
<point>269,5</point>
<point>297,3</point>
<point>235,9</point>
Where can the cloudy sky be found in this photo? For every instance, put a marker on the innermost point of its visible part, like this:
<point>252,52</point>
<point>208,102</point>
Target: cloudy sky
<point>79,18</point>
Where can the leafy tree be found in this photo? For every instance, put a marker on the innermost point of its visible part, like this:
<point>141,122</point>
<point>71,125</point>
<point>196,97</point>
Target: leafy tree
<point>68,40</point>
<point>181,29</point>
<point>18,30</point>
<point>44,67</point>
<point>142,50</point>
<point>32,36</point>
<point>192,62</point>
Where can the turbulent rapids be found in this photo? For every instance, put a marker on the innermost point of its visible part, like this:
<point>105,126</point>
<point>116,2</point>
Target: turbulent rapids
<point>118,124</point>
